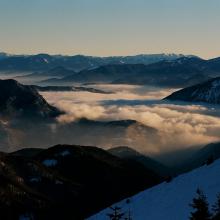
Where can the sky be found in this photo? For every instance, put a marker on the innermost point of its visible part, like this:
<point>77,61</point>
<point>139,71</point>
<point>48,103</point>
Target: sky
<point>110,27</point>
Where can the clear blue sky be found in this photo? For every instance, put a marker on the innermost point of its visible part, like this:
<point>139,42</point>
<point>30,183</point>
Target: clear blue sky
<point>110,27</point>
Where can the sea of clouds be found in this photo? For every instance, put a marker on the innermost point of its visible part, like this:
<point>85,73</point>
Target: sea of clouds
<point>179,125</point>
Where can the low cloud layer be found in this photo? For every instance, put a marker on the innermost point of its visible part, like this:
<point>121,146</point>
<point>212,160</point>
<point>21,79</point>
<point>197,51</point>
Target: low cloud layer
<point>179,126</point>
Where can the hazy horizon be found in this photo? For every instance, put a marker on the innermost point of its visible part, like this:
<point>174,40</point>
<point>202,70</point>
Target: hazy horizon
<point>105,56</point>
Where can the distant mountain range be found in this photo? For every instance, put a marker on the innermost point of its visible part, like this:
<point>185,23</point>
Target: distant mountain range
<point>68,89</point>
<point>76,63</point>
<point>3,55</point>
<point>208,92</point>
<point>102,74</point>
<point>58,72</point>
<point>167,70</point>
<point>181,72</point>
<point>63,182</point>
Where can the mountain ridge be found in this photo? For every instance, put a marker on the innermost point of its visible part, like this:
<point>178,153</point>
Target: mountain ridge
<point>208,92</point>
<point>21,100</point>
<point>181,72</point>
<point>76,62</point>
<point>62,181</point>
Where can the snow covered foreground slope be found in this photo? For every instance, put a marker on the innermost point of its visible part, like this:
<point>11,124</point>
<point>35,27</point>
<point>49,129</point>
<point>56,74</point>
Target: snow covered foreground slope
<point>170,201</point>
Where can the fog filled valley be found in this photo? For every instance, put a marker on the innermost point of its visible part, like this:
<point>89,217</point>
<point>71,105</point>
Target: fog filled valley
<point>160,127</point>
<point>128,115</point>
<point>134,121</point>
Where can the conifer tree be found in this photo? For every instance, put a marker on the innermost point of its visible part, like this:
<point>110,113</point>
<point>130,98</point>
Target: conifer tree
<point>116,214</point>
<point>201,207</point>
<point>216,209</point>
<point>128,214</point>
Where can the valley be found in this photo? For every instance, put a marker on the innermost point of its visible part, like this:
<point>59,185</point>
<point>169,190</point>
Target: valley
<point>141,135</point>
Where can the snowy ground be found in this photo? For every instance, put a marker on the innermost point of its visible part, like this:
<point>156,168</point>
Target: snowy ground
<point>170,201</point>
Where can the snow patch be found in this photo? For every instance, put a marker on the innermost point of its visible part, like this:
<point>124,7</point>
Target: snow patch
<point>45,60</point>
<point>50,162</point>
